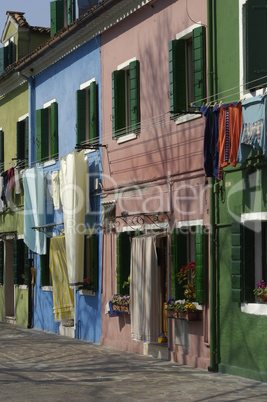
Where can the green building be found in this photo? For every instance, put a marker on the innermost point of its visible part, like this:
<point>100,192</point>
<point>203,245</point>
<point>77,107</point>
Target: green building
<point>237,34</point>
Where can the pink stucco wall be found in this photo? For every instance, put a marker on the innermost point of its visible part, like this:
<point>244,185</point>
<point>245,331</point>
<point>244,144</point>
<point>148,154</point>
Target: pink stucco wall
<point>165,161</point>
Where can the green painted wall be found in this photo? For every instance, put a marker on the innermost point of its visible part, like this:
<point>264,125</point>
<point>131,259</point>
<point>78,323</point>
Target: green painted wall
<point>12,106</point>
<point>21,306</point>
<point>226,24</point>
<point>241,338</point>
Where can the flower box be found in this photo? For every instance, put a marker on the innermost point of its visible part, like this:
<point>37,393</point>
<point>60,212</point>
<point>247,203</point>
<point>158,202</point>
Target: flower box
<point>122,308</point>
<point>189,315</point>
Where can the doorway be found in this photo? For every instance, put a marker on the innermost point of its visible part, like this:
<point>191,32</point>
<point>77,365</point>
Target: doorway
<point>9,279</point>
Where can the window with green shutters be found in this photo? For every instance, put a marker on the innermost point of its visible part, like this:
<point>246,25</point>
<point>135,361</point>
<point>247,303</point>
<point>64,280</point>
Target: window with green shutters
<point>126,100</point>
<point>255,39</point>
<point>91,260</point>
<point>87,114</point>
<point>188,244</point>
<point>2,155</point>
<point>187,70</point>
<point>23,142</point>
<point>243,263</point>
<point>7,55</point>
<point>123,261</point>
<point>61,14</point>
<point>20,262</point>
<point>47,133</point>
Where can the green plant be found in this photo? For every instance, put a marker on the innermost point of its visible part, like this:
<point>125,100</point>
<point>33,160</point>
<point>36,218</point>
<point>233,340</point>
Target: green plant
<point>261,289</point>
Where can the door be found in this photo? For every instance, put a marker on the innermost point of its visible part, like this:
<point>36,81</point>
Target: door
<point>9,279</point>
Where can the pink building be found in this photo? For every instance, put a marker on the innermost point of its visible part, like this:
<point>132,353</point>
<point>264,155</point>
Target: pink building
<point>155,194</point>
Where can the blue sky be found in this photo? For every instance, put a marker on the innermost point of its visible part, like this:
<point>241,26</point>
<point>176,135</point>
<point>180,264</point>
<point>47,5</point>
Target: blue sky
<point>37,12</point>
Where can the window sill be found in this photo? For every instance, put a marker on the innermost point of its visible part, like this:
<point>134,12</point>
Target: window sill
<point>49,163</point>
<point>127,137</point>
<point>254,308</point>
<point>187,117</point>
<point>23,287</point>
<point>84,292</point>
<point>47,288</point>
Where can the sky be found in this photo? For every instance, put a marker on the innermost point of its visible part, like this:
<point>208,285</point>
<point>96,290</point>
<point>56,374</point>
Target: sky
<point>37,12</point>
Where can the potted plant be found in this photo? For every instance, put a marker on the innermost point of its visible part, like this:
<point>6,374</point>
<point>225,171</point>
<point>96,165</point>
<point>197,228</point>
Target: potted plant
<point>120,303</point>
<point>187,274</point>
<point>261,291</point>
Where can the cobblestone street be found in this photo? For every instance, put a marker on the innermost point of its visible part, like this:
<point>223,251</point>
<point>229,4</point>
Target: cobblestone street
<point>39,366</point>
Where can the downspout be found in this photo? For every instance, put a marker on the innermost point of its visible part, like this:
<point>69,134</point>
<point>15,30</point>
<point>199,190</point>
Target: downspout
<point>212,265</point>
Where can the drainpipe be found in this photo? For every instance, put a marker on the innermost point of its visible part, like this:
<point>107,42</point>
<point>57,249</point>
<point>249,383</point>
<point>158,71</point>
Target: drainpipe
<point>211,88</point>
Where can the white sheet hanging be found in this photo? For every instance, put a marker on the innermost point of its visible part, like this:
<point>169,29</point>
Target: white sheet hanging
<point>73,196</point>
<point>144,289</point>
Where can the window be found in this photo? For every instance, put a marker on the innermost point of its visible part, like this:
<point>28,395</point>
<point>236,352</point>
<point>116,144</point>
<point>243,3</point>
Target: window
<point>87,116</point>
<point>2,155</point>
<point>254,38</point>
<point>1,262</point>
<point>61,14</point>
<point>249,258</point>
<point>188,244</point>
<point>23,141</point>
<point>126,99</point>
<point>47,132</point>
<point>91,260</point>
<point>187,66</point>
<point>7,55</point>
<point>46,279</point>
<point>20,262</point>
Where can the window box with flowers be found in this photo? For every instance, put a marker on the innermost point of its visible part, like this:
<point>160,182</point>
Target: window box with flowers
<point>120,303</point>
<point>182,309</point>
<point>261,291</point>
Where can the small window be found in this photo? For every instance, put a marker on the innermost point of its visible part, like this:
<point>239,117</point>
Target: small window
<point>23,142</point>
<point>7,55</point>
<point>126,100</point>
<point>187,65</point>
<point>46,278</point>
<point>91,262</point>
<point>87,114</point>
<point>47,133</point>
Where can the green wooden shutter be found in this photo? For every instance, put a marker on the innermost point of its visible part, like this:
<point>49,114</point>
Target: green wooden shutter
<point>93,244</point>
<point>57,16</point>
<point>178,259</point>
<point>177,70</point>
<point>26,264</point>
<point>199,63</point>
<point>256,38</point>
<point>70,11</point>
<point>21,140</point>
<point>118,103</point>
<point>42,135</point>
<point>3,58</point>
<point>10,53</point>
<point>93,111</point>
<point>54,130</point>
<point>1,150</point>
<point>81,115</point>
<point>44,262</point>
<point>123,260</point>
<point>26,143</point>
<point>134,84</point>
<point>1,262</point>
<point>243,263</point>
<point>200,263</point>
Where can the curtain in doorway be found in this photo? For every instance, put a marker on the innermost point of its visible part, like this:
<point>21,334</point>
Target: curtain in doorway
<point>73,192</point>
<point>63,299</point>
<point>145,289</point>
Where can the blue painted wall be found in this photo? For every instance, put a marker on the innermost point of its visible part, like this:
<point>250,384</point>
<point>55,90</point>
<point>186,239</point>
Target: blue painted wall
<point>60,82</point>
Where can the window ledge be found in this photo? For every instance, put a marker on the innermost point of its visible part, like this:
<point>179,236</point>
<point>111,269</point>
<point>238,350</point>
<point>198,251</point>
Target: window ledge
<point>187,117</point>
<point>47,288</point>
<point>254,308</point>
<point>127,137</point>
<point>85,292</point>
<point>49,163</point>
<point>23,287</point>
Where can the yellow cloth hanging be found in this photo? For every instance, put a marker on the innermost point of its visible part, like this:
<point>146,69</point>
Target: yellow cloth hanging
<point>63,298</point>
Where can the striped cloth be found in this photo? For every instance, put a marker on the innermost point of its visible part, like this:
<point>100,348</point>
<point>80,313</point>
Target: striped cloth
<point>63,298</point>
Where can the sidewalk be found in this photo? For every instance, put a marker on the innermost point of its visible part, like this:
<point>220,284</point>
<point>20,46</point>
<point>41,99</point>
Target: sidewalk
<point>39,366</point>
